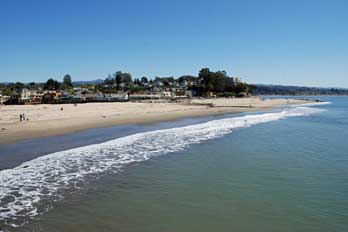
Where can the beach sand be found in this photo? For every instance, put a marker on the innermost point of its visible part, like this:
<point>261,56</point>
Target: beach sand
<point>48,120</point>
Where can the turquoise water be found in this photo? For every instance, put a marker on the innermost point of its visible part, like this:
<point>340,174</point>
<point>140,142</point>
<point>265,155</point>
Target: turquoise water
<point>285,174</point>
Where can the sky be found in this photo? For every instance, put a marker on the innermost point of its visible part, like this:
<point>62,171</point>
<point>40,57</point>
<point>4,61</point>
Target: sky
<point>271,42</point>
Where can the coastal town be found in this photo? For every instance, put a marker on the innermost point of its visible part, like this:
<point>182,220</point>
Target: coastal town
<point>33,110</point>
<point>120,87</point>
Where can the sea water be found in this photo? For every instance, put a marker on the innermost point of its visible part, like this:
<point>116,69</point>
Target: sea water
<point>284,170</point>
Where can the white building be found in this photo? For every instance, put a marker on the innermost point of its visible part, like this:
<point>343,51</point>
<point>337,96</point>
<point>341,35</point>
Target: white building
<point>3,99</point>
<point>25,95</point>
<point>166,94</point>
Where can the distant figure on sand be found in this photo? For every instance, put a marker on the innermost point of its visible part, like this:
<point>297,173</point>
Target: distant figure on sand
<point>22,117</point>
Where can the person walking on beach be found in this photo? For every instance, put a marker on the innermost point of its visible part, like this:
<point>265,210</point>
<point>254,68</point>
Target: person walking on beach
<point>23,117</point>
<point>20,117</point>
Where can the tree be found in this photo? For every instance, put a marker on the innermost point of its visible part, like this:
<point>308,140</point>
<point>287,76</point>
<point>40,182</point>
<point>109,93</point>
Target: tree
<point>187,78</point>
<point>110,80</point>
<point>118,78</point>
<point>19,86</point>
<point>144,80</point>
<point>204,73</point>
<point>32,85</point>
<point>230,84</point>
<point>206,77</point>
<point>7,92</point>
<point>125,78</point>
<point>241,88</point>
<point>67,81</point>
<point>219,81</point>
<point>51,84</point>
<point>136,81</point>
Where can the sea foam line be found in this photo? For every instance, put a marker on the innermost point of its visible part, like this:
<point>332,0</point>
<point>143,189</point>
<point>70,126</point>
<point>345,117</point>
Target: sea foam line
<point>23,188</point>
<point>312,104</point>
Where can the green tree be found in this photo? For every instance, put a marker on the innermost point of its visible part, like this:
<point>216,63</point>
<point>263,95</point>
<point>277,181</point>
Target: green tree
<point>219,81</point>
<point>136,81</point>
<point>19,86</point>
<point>118,78</point>
<point>110,80</point>
<point>7,92</point>
<point>207,80</point>
<point>52,84</point>
<point>67,83</point>
<point>125,78</point>
<point>144,80</point>
<point>32,85</point>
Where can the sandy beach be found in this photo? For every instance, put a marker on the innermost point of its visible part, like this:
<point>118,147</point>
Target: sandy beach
<point>48,120</point>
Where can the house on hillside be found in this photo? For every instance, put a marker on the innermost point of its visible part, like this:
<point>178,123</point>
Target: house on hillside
<point>237,80</point>
<point>183,83</point>
<point>79,90</point>
<point>176,84</point>
<point>158,83</point>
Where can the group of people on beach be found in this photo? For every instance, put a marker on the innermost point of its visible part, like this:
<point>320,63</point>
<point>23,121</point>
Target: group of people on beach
<point>22,117</point>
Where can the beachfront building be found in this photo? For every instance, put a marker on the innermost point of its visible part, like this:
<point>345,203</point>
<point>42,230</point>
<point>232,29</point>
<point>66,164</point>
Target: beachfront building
<point>24,96</point>
<point>209,94</point>
<point>35,97</point>
<point>189,93</point>
<point>51,96</point>
<point>3,99</point>
<point>116,97</point>
<point>27,96</point>
<point>137,97</point>
<point>166,94</point>
<point>93,97</point>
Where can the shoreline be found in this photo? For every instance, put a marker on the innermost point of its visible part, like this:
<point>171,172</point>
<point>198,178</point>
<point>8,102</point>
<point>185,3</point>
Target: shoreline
<point>50,120</point>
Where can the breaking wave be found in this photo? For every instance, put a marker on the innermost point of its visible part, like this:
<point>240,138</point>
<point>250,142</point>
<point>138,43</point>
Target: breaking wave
<point>312,104</point>
<point>24,189</point>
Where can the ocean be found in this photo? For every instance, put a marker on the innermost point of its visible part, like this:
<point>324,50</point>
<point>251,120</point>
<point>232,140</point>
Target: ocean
<point>279,170</point>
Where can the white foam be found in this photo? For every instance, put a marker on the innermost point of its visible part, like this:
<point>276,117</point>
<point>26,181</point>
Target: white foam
<point>312,104</point>
<point>23,188</point>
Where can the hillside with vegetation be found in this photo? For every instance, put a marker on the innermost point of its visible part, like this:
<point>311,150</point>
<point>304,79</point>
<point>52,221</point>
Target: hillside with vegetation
<point>296,90</point>
<point>119,84</point>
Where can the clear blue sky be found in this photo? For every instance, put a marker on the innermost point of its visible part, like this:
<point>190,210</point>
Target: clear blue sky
<point>276,42</point>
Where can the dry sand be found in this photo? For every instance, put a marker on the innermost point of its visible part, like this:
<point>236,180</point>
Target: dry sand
<point>47,120</point>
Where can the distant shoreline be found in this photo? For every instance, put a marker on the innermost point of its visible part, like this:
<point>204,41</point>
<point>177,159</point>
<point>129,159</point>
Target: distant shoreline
<point>60,119</point>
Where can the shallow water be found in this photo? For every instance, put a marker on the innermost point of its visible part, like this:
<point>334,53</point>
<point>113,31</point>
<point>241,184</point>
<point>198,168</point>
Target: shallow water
<point>280,171</point>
